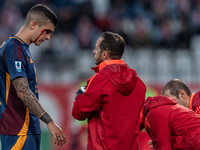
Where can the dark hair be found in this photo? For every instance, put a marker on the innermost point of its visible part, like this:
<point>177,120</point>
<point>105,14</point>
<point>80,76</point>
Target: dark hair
<point>42,14</point>
<point>174,86</point>
<point>113,43</point>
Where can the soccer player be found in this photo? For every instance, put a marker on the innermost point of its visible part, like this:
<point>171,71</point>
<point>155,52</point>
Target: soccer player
<point>171,125</point>
<point>112,100</point>
<point>179,90</point>
<point>20,109</point>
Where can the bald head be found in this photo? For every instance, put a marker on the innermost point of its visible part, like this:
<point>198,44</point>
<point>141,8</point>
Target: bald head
<point>178,90</point>
<point>174,86</point>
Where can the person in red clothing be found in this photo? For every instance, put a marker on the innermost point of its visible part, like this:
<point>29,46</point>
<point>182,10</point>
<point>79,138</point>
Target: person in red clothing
<point>112,100</point>
<point>170,125</point>
<point>179,90</point>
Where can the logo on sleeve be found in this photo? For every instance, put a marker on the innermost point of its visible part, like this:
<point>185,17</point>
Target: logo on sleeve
<point>18,65</point>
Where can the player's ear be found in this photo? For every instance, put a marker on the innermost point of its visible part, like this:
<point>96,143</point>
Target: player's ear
<point>33,25</point>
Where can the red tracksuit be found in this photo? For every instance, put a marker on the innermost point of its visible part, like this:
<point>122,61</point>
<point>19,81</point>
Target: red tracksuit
<point>170,125</point>
<point>112,103</point>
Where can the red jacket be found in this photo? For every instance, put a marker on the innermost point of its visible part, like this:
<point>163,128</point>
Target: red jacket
<point>112,102</point>
<point>195,102</point>
<point>170,125</point>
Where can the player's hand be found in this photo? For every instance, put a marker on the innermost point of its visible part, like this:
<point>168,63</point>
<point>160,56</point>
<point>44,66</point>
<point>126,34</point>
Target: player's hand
<point>80,91</point>
<point>58,134</point>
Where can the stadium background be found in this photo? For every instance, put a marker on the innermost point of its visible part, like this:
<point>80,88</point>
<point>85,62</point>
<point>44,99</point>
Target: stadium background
<point>162,42</point>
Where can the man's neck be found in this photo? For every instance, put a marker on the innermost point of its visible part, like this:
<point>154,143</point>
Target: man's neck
<point>23,34</point>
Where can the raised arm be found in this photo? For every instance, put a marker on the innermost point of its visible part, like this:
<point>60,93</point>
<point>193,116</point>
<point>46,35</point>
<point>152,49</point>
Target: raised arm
<point>31,102</point>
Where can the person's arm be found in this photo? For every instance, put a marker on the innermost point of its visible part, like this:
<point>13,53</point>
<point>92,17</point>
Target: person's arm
<point>89,101</point>
<point>159,129</point>
<point>31,102</point>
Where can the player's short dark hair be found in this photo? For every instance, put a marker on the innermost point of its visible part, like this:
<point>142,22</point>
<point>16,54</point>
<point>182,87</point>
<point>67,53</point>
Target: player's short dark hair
<point>174,86</point>
<point>41,14</point>
<point>113,43</point>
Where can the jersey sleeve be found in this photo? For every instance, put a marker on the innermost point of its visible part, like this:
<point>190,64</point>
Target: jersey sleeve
<point>15,60</point>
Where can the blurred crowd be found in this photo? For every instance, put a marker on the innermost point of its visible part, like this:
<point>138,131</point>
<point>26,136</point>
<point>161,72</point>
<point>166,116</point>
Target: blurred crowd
<point>156,24</point>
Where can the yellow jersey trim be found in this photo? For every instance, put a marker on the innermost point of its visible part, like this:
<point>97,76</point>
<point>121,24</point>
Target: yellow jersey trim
<point>7,86</point>
<point>24,129</point>
<point>17,39</point>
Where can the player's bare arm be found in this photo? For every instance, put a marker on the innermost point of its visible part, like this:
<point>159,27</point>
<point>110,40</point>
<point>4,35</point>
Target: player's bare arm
<point>28,98</point>
<point>31,102</point>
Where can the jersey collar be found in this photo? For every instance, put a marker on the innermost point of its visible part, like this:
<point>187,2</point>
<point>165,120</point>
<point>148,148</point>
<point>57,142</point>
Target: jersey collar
<point>17,38</point>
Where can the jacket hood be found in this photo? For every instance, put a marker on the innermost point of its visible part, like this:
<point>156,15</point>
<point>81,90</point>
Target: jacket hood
<point>152,102</point>
<point>122,77</point>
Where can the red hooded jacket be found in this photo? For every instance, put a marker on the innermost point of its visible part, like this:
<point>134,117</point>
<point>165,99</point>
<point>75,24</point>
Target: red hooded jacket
<point>170,125</point>
<point>112,103</point>
<point>195,102</point>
